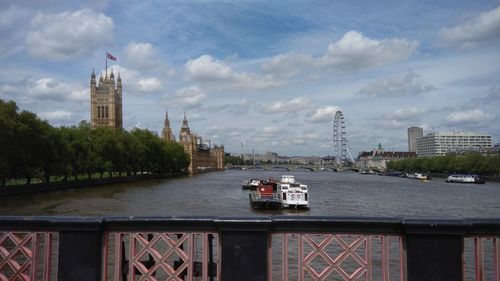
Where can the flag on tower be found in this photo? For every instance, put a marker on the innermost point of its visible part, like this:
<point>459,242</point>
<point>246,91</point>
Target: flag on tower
<point>111,57</point>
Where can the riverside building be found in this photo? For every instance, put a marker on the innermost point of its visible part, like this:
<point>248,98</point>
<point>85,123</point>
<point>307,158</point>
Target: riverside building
<point>442,143</point>
<point>202,156</point>
<point>106,101</point>
<point>413,134</point>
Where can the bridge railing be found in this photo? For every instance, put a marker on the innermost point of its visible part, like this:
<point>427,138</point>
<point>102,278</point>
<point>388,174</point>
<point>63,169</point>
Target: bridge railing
<point>248,248</point>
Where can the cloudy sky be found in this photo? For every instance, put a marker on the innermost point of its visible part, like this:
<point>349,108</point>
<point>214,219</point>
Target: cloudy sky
<point>263,75</point>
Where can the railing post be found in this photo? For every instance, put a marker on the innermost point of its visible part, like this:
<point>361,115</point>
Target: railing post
<point>80,252</point>
<point>434,250</point>
<point>244,249</point>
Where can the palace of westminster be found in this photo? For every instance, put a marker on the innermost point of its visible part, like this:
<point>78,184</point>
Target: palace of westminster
<point>106,111</point>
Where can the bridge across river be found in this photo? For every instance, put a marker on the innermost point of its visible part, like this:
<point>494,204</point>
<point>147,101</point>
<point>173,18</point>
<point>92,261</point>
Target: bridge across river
<point>287,167</point>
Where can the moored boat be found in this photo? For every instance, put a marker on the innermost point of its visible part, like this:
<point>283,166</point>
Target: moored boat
<point>464,179</point>
<point>292,194</point>
<point>263,196</point>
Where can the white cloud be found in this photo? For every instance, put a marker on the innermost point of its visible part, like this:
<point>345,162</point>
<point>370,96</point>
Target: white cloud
<point>288,65</point>
<point>352,52</point>
<point>407,113</point>
<point>394,125</point>
<point>206,69</point>
<point>468,117</point>
<point>481,29</point>
<point>68,34</point>
<point>408,85</point>
<point>191,97</point>
<point>142,55</point>
<point>322,115</point>
<point>149,84</point>
<point>49,88</point>
<point>291,106</point>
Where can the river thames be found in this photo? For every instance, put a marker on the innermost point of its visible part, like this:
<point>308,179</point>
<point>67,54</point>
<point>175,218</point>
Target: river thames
<point>220,194</point>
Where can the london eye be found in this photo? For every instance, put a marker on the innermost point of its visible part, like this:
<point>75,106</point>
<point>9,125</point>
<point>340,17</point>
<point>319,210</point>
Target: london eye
<point>340,148</point>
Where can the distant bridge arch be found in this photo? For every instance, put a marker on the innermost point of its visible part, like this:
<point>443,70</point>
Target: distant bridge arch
<point>305,168</point>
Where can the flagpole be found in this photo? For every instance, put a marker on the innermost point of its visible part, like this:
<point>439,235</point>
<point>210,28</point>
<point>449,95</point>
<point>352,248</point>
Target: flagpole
<point>106,64</point>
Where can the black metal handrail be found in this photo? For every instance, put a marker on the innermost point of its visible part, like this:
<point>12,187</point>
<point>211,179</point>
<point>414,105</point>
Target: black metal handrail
<point>385,225</point>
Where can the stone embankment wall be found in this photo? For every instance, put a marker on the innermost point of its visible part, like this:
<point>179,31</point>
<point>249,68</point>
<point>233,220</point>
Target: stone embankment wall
<point>44,187</point>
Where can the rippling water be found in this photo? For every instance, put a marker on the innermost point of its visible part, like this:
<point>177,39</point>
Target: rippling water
<point>220,194</point>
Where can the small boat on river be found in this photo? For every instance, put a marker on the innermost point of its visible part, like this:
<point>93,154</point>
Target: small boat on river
<point>465,179</point>
<point>250,183</point>
<point>264,196</point>
<point>292,194</point>
<point>418,176</point>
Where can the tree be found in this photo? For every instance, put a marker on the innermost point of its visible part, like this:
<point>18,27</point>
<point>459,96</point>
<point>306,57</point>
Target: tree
<point>8,114</point>
<point>178,159</point>
<point>31,147</point>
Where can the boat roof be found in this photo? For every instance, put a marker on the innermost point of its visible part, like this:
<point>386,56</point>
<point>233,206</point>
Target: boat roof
<point>287,179</point>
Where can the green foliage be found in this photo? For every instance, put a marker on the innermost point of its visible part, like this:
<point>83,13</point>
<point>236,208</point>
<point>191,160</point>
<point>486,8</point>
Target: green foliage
<point>31,148</point>
<point>234,160</point>
<point>468,163</point>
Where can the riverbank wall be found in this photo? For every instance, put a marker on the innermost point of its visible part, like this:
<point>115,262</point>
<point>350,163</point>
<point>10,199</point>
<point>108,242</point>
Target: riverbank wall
<point>44,187</point>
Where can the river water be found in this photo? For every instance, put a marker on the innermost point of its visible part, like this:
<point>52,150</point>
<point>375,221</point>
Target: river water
<point>220,194</point>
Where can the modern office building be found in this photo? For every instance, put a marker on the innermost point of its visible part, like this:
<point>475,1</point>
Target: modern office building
<point>442,143</point>
<point>413,134</point>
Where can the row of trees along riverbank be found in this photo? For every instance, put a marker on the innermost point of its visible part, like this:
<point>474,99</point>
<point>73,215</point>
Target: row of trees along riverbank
<point>32,148</point>
<point>468,163</point>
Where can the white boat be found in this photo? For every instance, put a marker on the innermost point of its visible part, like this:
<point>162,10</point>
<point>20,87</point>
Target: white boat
<point>250,183</point>
<point>418,176</point>
<point>292,194</point>
<point>464,179</point>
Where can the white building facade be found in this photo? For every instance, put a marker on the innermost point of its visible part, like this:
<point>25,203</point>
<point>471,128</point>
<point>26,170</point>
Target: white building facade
<point>442,143</point>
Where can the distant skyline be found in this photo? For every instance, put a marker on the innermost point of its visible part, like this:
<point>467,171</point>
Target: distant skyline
<point>262,75</point>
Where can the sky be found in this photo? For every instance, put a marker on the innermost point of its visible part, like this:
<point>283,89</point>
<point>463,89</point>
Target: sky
<point>262,75</point>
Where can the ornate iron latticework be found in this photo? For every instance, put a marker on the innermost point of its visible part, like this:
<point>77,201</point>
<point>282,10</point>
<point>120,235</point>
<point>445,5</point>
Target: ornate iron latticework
<point>160,256</point>
<point>25,256</point>
<point>340,257</point>
<point>339,139</point>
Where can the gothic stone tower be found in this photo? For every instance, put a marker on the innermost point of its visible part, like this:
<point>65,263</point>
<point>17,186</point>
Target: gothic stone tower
<point>106,102</point>
<point>202,156</point>
<point>189,142</point>
<point>167,131</point>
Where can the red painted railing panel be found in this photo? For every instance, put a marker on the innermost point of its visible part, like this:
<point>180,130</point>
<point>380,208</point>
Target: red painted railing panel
<point>25,256</point>
<point>481,259</point>
<point>159,256</point>
<point>336,257</point>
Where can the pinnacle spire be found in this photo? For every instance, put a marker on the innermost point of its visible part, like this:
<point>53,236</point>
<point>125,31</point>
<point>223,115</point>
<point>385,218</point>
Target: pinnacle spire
<point>167,131</point>
<point>167,122</point>
<point>185,127</point>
